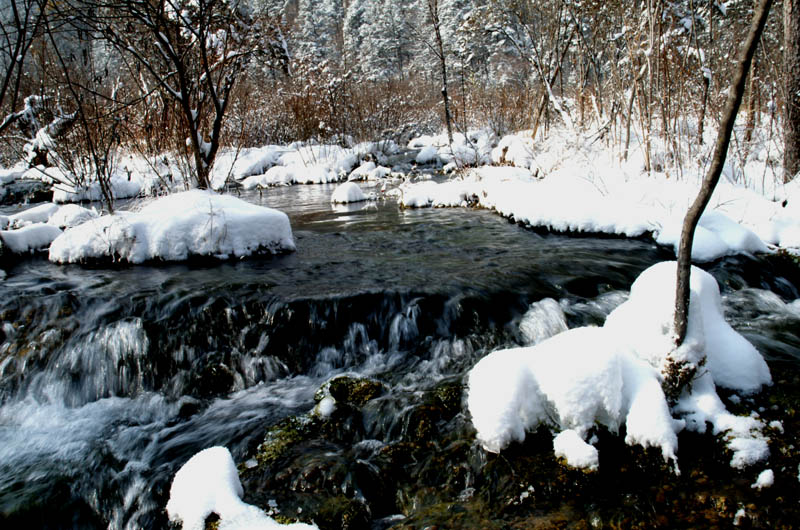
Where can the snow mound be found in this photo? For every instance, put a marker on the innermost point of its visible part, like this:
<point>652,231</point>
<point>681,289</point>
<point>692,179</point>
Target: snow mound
<point>53,214</point>
<point>514,150</point>
<point>275,176</point>
<point>348,192</point>
<point>717,235</point>
<point>71,215</point>
<point>611,376</point>
<point>37,214</point>
<point>209,483</point>
<point>431,194</point>
<point>362,172</point>
<point>29,238</point>
<point>175,227</point>
<point>570,446</point>
<point>239,164</point>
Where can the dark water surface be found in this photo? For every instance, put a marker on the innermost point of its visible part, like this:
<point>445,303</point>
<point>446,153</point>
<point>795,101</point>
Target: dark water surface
<point>111,378</point>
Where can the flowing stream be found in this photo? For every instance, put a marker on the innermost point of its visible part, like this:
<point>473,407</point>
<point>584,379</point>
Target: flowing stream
<point>112,377</point>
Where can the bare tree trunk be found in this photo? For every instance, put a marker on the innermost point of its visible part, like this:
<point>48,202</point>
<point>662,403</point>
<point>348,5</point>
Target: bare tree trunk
<point>701,121</point>
<point>791,58</point>
<point>678,374</point>
<point>433,8</point>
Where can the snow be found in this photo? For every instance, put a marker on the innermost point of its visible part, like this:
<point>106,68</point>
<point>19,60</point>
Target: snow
<point>369,171</point>
<point>71,215</point>
<point>471,149</point>
<point>348,192</point>
<point>29,238</point>
<point>569,182</point>
<point>428,155</point>
<point>326,406</point>
<point>36,228</point>
<point>362,172</point>
<point>717,235</point>
<point>175,227</point>
<point>765,479</point>
<point>11,174</point>
<point>243,163</point>
<point>739,221</point>
<point>209,483</point>
<point>310,164</point>
<point>776,425</point>
<point>569,445</point>
<point>611,376</point>
<point>121,188</point>
<point>37,214</point>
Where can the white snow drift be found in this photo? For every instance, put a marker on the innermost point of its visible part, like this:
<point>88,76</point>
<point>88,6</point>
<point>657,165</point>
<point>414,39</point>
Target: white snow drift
<point>209,483</point>
<point>175,227</point>
<point>611,376</point>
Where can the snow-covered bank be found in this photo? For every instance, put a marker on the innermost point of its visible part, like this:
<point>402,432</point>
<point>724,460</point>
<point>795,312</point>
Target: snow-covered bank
<point>175,227</point>
<point>738,221</point>
<point>611,376</point>
<point>36,228</point>
<point>301,164</point>
<point>570,182</point>
<point>209,484</point>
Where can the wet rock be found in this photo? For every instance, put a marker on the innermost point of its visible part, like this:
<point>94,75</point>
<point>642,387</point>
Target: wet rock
<point>188,407</point>
<point>353,391</point>
<point>280,438</point>
<point>426,466</point>
<point>342,513</point>
<point>211,376</point>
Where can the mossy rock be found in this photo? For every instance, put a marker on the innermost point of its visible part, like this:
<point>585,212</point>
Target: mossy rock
<point>282,436</point>
<point>342,513</point>
<point>355,391</point>
<point>448,398</point>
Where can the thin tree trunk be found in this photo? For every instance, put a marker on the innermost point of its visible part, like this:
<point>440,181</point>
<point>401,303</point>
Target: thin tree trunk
<point>791,51</point>
<point>433,6</point>
<point>712,177</point>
